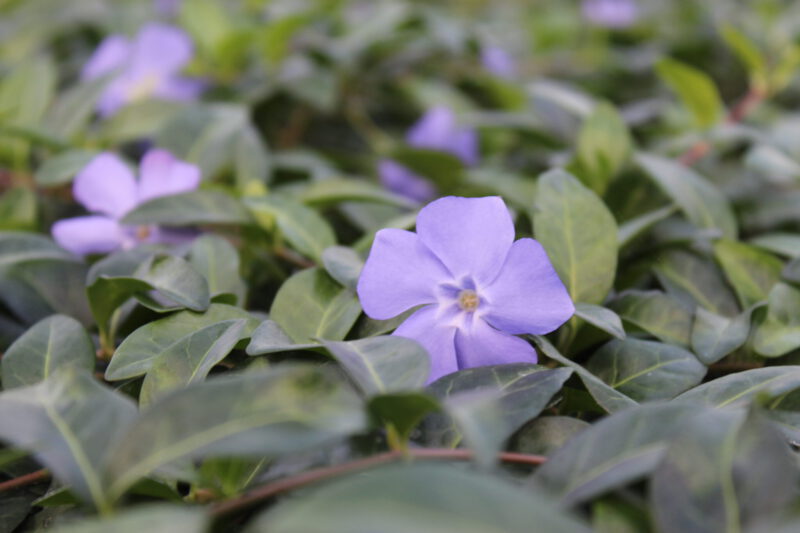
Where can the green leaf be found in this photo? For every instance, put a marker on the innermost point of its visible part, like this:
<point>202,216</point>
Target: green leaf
<point>523,391</point>
<point>783,244</point>
<point>546,434</point>
<point>739,389</point>
<point>423,499</point>
<point>55,343</point>
<point>604,145</point>
<point>601,318</point>
<point>618,450</point>
<point>380,365</point>
<point>137,353</point>
<point>26,91</point>
<point>791,272</point>
<point>748,53</point>
<point>60,169</point>
<point>188,209</point>
<point>334,191</point>
<point>306,231</point>
<point>269,337</point>
<point>659,314</point>
<point>607,397</point>
<point>773,164</point>
<point>442,168</point>
<point>579,234</point>
<point>637,226</point>
<point>403,410</point>
<point>138,120</point>
<point>343,264</point>
<point>721,474</point>
<point>477,416</point>
<point>21,247</point>
<point>269,412</point>
<point>310,305</point>
<point>218,261</point>
<point>252,159</point>
<point>19,209</point>
<point>779,333</point>
<point>191,358</point>
<point>646,370</point>
<point>751,272</point>
<point>175,283</point>
<point>702,203</point>
<point>715,336</point>
<point>70,422</point>
<point>74,108</point>
<point>695,89</point>
<point>153,518</point>
<point>696,281</point>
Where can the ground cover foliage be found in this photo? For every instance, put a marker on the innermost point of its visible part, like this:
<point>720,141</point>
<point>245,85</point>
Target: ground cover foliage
<point>211,369</point>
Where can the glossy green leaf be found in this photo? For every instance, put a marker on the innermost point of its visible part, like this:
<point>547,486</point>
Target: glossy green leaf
<point>310,305</point>
<point>60,169</point>
<point>702,203</point>
<point>616,451</point>
<point>143,347</point>
<point>191,358</point>
<point>604,145</point>
<point>55,343</point>
<point>546,434</point>
<point>664,316</point>
<point>779,333</point>
<point>695,89</point>
<point>343,264</point>
<point>784,244</point>
<point>269,337</point>
<point>646,370</point>
<point>423,499</point>
<point>70,422</point>
<point>21,247</point>
<point>334,191</point>
<point>191,208</point>
<point>268,412</point>
<point>579,234</point>
<point>715,336</point>
<point>380,365</point>
<point>218,261</point>
<point>742,387</point>
<point>442,168</point>
<point>607,397</point>
<point>602,318</point>
<point>750,271</point>
<point>631,229</point>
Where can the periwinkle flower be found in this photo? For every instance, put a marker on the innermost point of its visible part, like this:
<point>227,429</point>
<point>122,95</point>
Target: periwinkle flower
<point>498,61</point>
<point>438,129</point>
<point>108,187</point>
<point>611,13</point>
<point>148,66</point>
<point>476,285</point>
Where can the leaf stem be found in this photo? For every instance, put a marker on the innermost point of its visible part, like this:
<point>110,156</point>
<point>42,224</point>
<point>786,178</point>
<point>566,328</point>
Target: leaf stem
<point>310,477</point>
<point>27,479</point>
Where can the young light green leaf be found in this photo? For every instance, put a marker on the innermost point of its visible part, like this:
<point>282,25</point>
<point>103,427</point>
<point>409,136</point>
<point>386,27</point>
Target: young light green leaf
<point>334,191</point>
<point>604,145</point>
<point>695,89</point>
<point>779,333</point>
<point>579,234</point>
<point>748,53</point>
<point>751,272</point>
<point>310,305</point>
<point>702,203</point>
<point>646,370</point>
<point>55,343</point>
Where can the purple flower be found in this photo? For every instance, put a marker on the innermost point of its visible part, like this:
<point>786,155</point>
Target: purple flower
<point>498,61</point>
<point>168,8</point>
<point>477,287</point>
<point>439,130</point>
<point>108,187</point>
<point>611,13</point>
<point>148,66</point>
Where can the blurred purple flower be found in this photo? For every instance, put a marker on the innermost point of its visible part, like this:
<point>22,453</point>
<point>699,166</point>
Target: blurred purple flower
<point>108,187</point>
<point>477,287</point>
<point>498,61</point>
<point>438,129</point>
<point>167,8</point>
<point>611,13</point>
<point>148,66</point>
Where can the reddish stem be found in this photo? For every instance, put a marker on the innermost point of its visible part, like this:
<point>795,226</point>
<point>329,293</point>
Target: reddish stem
<point>27,479</point>
<point>309,477</point>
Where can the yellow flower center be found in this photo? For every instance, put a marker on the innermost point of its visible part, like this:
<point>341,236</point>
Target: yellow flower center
<point>143,88</point>
<point>142,232</point>
<point>468,300</point>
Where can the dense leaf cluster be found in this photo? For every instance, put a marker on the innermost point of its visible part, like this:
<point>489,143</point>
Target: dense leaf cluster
<point>233,383</point>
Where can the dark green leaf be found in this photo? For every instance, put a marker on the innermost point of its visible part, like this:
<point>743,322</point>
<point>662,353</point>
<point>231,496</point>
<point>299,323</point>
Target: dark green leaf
<point>659,314</point>
<point>60,169</point>
<point>153,518</point>
<point>715,336</point>
<point>740,388</point>
<point>751,272</point>
<point>779,333</point>
<point>695,280</point>
<point>334,191</point>
<point>191,208</point>
<point>602,318</point>
<point>343,264</point>
<point>218,261</point>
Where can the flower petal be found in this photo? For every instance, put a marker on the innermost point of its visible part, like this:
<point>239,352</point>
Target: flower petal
<point>403,181</point>
<point>479,344</point>
<point>88,235</point>
<point>465,146</point>
<point>106,185</point>
<point>179,89</point>
<point>527,296</point>
<point>162,174</point>
<point>113,53</point>
<point>471,236</point>
<point>399,274</point>
<point>434,130</point>
<point>160,49</point>
<point>435,337</point>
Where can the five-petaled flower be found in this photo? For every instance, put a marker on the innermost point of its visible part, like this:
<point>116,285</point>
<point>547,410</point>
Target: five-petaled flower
<point>476,285</point>
<point>439,130</point>
<point>148,66</point>
<point>107,186</point>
